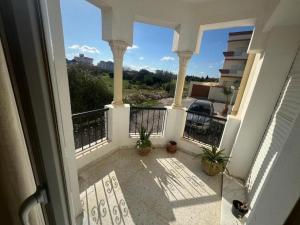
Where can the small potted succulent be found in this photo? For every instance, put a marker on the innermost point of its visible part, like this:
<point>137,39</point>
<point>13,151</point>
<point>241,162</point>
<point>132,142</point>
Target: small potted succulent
<point>213,160</point>
<point>144,144</point>
<point>171,147</point>
<point>239,209</point>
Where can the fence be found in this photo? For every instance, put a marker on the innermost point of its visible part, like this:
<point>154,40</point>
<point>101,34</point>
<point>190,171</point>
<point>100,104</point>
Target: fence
<point>148,117</point>
<point>90,128</point>
<point>203,128</point>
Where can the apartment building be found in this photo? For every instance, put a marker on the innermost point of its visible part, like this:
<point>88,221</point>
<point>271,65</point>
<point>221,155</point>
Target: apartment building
<point>81,59</point>
<point>235,58</point>
<point>109,65</point>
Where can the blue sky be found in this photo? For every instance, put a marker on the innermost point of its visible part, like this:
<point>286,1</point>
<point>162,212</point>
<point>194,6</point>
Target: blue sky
<point>151,44</point>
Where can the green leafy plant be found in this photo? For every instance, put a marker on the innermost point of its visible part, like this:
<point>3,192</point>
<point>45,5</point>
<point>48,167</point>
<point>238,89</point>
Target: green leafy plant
<point>214,155</point>
<point>144,140</point>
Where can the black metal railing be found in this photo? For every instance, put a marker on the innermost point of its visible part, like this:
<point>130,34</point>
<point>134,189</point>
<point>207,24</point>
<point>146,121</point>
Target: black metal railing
<point>148,117</point>
<point>90,128</point>
<point>203,128</point>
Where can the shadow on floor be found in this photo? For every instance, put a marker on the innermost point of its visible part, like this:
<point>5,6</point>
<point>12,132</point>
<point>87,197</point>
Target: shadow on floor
<point>159,189</point>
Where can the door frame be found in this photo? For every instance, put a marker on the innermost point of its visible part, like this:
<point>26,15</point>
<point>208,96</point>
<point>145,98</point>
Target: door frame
<point>46,119</point>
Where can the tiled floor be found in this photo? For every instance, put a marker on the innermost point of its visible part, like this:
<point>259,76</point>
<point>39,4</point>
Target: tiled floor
<point>157,189</point>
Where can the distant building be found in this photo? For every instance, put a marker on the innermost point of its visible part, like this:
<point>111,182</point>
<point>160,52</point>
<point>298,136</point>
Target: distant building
<point>109,65</point>
<point>235,58</point>
<point>81,59</point>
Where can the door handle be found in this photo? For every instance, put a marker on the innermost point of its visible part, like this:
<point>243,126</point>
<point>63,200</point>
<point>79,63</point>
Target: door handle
<point>39,197</point>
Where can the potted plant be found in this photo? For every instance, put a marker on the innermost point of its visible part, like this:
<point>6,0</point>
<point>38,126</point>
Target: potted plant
<point>227,92</point>
<point>239,209</point>
<point>171,147</point>
<point>213,160</point>
<point>144,144</point>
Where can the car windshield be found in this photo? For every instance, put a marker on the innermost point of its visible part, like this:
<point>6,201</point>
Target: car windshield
<point>200,108</point>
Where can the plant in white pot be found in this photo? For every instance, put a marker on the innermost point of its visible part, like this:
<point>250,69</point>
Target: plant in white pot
<point>144,144</point>
<point>213,160</point>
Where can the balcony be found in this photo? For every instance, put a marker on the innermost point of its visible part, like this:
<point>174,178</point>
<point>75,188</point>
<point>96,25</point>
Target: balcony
<point>238,73</point>
<point>235,55</point>
<point>228,53</point>
<point>224,71</point>
<point>119,186</point>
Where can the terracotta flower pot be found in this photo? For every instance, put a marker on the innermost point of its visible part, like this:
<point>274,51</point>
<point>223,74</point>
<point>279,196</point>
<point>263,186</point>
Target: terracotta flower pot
<point>144,151</point>
<point>172,147</point>
<point>225,110</point>
<point>211,168</point>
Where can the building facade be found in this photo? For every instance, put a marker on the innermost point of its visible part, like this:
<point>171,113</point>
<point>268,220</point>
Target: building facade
<point>109,65</point>
<point>81,59</point>
<point>235,58</point>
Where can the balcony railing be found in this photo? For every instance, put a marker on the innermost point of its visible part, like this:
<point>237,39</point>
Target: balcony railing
<point>149,118</point>
<point>203,128</point>
<point>90,128</point>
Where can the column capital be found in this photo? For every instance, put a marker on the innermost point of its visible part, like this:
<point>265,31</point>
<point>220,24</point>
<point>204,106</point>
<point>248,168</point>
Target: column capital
<point>184,55</point>
<point>118,48</point>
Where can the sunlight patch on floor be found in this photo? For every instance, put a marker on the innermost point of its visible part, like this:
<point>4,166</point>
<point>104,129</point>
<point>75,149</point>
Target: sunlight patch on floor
<point>181,183</point>
<point>104,203</point>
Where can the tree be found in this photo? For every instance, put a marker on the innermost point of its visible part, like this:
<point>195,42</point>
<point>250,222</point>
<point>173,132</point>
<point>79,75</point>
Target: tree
<point>87,92</point>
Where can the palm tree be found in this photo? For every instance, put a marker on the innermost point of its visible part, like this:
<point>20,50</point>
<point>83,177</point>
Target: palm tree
<point>227,92</point>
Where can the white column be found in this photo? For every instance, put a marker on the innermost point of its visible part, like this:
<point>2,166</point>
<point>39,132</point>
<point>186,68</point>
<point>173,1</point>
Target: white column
<point>118,49</point>
<point>184,57</point>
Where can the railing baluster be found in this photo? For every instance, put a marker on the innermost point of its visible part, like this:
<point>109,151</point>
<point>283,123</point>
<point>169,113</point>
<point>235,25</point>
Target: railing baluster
<point>153,113</point>
<point>106,123</point>
<point>88,129</point>
<point>136,121</point>
<point>158,121</point>
<point>81,133</point>
<point>147,120</point>
<point>101,123</point>
<point>142,118</point>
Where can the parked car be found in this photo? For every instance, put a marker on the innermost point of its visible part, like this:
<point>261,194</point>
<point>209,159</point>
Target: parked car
<point>199,115</point>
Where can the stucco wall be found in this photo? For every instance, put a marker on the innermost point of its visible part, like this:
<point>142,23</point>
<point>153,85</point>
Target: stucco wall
<point>216,94</point>
<point>269,78</point>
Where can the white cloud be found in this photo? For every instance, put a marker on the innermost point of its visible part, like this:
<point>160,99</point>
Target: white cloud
<point>210,66</point>
<point>85,48</point>
<point>167,58</point>
<point>74,46</point>
<point>141,58</point>
<point>139,67</point>
<point>132,47</point>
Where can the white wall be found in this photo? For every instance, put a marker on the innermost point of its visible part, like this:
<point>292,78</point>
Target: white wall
<point>229,134</point>
<point>216,94</point>
<point>280,51</point>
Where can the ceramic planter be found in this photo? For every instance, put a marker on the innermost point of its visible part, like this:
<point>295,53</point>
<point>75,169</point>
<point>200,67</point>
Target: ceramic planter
<point>211,168</point>
<point>172,147</point>
<point>144,151</point>
<point>237,211</point>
